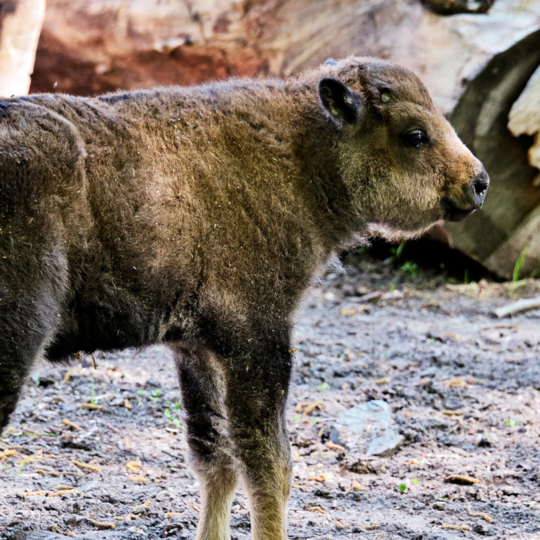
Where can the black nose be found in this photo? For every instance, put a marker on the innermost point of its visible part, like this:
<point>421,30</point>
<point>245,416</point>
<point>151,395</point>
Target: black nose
<point>479,186</point>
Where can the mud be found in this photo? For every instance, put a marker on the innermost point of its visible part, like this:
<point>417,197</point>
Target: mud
<point>463,386</point>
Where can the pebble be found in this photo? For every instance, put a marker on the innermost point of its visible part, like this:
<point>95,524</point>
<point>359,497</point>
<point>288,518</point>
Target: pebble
<point>367,427</point>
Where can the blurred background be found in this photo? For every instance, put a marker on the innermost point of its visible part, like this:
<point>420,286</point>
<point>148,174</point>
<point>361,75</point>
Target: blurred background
<point>479,59</point>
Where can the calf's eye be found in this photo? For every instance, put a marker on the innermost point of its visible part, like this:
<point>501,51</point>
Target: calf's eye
<point>414,138</point>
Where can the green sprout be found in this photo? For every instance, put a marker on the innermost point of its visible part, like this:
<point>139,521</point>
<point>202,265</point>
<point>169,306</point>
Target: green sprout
<point>93,399</point>
<point>519,264</point>
<point>410,269</point>
<point>173,418</point>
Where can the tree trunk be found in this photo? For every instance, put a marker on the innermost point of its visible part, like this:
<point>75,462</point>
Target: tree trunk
<point>20,26</point>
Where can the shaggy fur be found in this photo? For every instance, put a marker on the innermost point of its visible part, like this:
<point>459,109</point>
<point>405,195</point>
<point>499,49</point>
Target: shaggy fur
<point>197,217</point>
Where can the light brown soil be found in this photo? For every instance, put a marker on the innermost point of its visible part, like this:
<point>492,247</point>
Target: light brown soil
<point>464,389</point>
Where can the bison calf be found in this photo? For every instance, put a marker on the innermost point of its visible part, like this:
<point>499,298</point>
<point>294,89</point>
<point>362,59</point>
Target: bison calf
<point>196,217</point>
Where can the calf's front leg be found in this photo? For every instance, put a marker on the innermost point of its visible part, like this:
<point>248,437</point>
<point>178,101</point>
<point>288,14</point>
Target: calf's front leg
<point>256,392</point>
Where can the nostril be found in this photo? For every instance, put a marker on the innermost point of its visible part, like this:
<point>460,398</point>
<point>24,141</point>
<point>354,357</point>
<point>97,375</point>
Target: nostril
<point>480,185</point>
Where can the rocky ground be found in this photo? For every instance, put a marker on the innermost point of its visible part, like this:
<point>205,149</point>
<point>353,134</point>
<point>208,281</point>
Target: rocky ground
<point>99,452</point>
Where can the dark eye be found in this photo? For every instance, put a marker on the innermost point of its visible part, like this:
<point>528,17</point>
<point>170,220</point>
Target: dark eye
<point>414,138</point>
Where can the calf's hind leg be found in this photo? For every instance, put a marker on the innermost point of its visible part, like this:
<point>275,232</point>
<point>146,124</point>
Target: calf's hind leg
<point>27,321</point>
<point>203,398</point>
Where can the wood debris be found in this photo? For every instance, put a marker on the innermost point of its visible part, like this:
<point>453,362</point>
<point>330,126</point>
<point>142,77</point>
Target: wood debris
<point>101,524</point>
<point>71,491</point>
<point>91,406</point>
<point>371,527</point>
<point>340,525</point>
<point>347,312</point>
<point>87,466</point>
<point>318,509</point>
<point>71,424</point>
<point>370,297</point>
<point>70,373</point>
<point>31,459</point>
<point>35,493</point>
<point>448,412</point>
<point>457,527</point>
<point>48,472</point>
<point>194,506</point>
<point>461,479</point>
<point>129,517</point>
<point>357,487</point>
<point>382,380</point>
<point>524,304</point>
<point>333,446</point>
<point>141,507</point>
<point>133,466</point>
<point>169,515</point>
<point>487,517</point>
<point>8,453</point>
<point>458,382</point>
<point>322,477</point>
<point>137,478</point>
<point>127,404</point>
<point>309,407</point>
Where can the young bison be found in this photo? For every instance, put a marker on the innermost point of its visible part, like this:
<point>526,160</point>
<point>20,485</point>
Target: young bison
<point>196,217</point>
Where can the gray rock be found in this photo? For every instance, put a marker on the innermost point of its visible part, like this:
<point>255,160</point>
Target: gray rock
<point>367,428</point>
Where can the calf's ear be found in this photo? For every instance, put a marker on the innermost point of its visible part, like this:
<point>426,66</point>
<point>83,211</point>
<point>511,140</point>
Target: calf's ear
<point>341,103</point>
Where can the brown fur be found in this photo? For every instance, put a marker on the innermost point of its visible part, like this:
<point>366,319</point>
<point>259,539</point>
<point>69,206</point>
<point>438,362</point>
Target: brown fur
<point>197,217</point>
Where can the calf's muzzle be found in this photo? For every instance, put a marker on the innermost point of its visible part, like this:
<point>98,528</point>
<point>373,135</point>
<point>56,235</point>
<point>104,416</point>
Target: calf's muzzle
<point>472,199</point>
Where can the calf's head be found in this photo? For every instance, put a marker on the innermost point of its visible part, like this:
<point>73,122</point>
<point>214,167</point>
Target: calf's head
<point>404,166</point>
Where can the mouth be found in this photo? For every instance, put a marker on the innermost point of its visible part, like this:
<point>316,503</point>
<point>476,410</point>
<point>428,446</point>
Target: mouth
<point>454,213</point>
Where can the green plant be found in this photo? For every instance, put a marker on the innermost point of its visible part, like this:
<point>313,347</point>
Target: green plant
<point>176,405</point>
<point>519,264</point>
<point>402,488</point>
<point>173,418</point>
<point>511,422</point>
<point>409,268</point>
<point>396,251</point>
<point>154,396</point>
<point>323,386</point>
<point>466,278</point>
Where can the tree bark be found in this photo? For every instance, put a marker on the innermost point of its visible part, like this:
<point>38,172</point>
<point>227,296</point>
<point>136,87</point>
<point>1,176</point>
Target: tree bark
<point>20,26</point>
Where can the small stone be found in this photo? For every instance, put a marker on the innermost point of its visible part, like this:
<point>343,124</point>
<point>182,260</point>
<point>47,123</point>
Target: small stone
<point>368,428</point>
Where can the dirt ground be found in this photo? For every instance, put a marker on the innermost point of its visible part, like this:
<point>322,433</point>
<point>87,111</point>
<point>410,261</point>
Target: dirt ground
<point>99,453</point>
